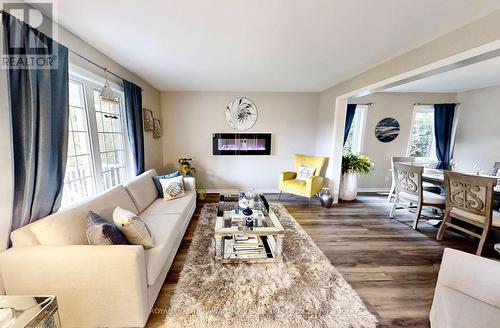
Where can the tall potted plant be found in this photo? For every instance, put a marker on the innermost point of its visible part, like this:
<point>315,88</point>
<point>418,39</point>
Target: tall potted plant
<point>352,167</point>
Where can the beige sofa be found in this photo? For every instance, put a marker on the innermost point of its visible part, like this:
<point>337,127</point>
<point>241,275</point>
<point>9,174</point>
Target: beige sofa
<point>99,286</point>
<point>467,292</point>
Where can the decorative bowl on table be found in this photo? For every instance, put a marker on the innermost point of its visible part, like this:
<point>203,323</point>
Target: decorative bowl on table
<point>246,200</point>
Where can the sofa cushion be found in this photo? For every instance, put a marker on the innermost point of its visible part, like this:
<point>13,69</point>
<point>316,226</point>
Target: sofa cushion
<point>156,180</point>
<point>102,232</point>
<point>142,189</point>
<point>68,226</point>
<point>166,229</point>
<point>172,188</point>
<point>175,206</point>
<point>133,228</point>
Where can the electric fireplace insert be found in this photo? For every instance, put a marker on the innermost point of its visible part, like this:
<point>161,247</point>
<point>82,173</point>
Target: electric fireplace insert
<point>241,143</point>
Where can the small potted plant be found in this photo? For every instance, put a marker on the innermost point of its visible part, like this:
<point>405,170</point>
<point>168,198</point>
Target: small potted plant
<point>201,192</point>
<point>187,170</point>
<point>352,167</point>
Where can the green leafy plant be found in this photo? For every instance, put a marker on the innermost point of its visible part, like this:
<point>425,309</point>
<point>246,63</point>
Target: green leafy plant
<point>359,164</point>
<point>185,167</point>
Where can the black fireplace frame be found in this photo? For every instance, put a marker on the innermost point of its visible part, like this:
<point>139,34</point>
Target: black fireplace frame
<point>217,136</point>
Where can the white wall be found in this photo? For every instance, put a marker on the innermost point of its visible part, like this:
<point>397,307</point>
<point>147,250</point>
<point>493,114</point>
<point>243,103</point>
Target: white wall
<point>478,131</point>
<point>473,35</point>
<point>399,106</point>
<point>190,118</point>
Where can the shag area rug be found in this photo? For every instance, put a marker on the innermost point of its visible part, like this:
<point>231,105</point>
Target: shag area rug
<point>303,291</point>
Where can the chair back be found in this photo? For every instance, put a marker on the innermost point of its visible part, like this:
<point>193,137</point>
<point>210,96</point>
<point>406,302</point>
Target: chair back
<point>470,193</point>
<point>400,159</point>
<point>316,162</point>
<point>403,160</point>
<point>408,179</point>
<point>496,168</point>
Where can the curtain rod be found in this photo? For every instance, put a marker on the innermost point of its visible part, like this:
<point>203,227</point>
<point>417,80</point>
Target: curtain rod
<point>367,104</point>
<point>424,104</point>
<point>95,64</point>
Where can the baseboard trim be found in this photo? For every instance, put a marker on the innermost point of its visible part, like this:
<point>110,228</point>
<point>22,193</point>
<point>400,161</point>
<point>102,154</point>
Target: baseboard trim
<point>384,190</point>
<point>226,191</point>
<point>275,191</point>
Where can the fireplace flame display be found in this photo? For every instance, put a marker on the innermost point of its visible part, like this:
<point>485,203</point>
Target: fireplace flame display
<point>241,143</point>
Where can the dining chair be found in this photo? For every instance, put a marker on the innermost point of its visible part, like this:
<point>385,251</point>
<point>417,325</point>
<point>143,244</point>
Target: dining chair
<point>397,159</point>
<point>469,198</point>
<point>496,168</point>
<point>409,188</point>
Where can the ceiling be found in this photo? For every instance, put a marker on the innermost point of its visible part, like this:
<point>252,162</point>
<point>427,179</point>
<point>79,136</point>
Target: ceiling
<point>260,45</point>
<point>475,76</point>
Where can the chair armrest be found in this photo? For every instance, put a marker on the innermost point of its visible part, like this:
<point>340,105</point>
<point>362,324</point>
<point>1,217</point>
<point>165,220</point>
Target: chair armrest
<point>189,184</point>
<point>314,184</point>
<point>477,279</point>
<point>95,286</point>
<point>287,175</point>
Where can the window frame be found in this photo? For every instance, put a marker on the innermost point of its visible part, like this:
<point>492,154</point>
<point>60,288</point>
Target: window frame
<point>358,128</point>
<point>433,158</point>
<point>89,84</point>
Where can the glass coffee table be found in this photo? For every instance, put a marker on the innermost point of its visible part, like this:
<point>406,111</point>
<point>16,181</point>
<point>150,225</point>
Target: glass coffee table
<point>244,237</point>
<point>29,311</point>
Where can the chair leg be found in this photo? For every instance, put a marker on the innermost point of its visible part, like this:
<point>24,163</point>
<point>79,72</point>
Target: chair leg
<point>417,216</point>
<point>396,200</point>
<point>442,228</point>
<point>279,197</point>
<point>391,193</point>
<point>484,236</point>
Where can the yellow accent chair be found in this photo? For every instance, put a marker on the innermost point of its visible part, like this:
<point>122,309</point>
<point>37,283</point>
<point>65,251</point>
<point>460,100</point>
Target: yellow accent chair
<point>311,186</point>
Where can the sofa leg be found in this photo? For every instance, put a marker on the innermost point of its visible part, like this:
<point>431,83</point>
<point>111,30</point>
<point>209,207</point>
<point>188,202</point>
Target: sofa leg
<point>279,197</point>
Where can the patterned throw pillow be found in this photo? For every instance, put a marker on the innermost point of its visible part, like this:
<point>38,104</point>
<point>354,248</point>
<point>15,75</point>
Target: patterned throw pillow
<point>305,172</point>
<point>173,187</point>
<point>156,180</point>
<point>103,232</point>
<point>132,226</point>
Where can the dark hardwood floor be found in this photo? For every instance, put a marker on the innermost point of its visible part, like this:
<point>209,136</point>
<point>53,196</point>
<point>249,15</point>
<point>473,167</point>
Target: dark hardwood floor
<point>392,267</point>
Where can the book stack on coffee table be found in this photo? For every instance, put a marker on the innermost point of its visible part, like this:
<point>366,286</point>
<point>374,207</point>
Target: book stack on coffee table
<point>246,247</point>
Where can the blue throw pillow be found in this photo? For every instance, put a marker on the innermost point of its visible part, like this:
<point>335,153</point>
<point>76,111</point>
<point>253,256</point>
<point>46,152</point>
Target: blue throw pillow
<point>157,178</point>
<point>103,232</point>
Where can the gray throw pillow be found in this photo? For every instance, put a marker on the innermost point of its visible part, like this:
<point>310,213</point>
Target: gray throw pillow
<point>103,232</point>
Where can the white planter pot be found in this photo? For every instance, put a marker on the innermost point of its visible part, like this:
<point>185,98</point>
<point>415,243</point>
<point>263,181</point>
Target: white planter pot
<point>349,186</point>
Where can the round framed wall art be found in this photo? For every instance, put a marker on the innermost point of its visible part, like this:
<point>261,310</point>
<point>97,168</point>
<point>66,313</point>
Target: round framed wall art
<point>241,114</point>
<point>387,130</point>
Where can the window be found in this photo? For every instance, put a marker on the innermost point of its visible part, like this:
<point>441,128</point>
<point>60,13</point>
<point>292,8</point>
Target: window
<point>97,142</point>
<point>422,139</point>
<point>354,142</point>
